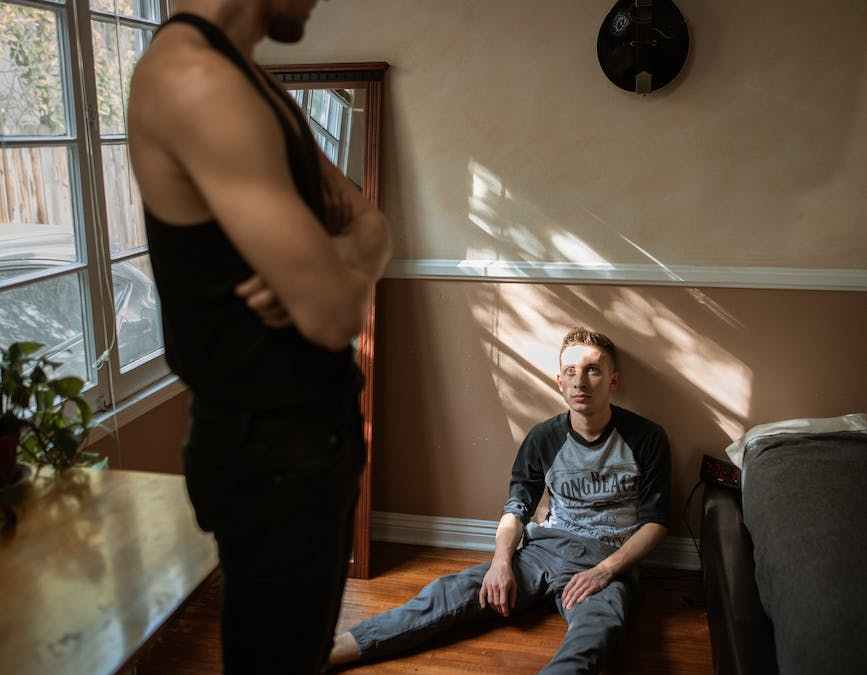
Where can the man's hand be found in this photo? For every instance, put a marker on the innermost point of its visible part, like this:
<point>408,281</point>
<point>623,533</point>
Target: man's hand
<point>585,584</point>
<point>264,302</point>
<point>499,588</point>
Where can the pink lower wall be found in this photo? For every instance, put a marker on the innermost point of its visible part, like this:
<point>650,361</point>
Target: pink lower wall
<point>151,442</point>
<point>464,369</point>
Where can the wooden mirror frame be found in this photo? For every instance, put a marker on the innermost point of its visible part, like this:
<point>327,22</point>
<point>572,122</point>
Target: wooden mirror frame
<point>370,77</point>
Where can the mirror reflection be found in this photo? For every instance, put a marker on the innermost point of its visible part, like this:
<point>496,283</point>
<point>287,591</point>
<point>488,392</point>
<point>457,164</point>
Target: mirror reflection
<point>338,119</point>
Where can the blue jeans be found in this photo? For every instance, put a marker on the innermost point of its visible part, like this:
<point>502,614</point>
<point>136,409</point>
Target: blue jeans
<point>542,567</point>
<point>278,490</point>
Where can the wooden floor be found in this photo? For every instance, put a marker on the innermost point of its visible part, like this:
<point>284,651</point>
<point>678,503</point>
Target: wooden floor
<point>667,635</point>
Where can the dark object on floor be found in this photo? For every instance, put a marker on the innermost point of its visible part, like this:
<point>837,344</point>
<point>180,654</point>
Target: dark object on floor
<point>724,474</point>
<point>784,572</point>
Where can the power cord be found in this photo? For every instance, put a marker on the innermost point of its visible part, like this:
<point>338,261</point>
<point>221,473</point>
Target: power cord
<point>695,542</point>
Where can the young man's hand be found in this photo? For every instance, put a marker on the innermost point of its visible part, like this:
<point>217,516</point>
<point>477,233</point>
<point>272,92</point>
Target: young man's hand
<point>585,584</point>
<point>499,588</point>
<point>264,302</point>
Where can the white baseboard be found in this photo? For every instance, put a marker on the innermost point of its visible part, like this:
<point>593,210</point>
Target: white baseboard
<point>630,274</point>
<point>478,535</point>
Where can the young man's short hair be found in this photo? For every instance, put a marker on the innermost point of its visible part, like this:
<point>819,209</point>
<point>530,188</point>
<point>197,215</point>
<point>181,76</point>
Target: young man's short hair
<point>582,336</point>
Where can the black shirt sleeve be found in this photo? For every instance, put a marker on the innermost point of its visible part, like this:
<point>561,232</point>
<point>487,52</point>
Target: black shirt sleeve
<point>528,478</point>
<point>654,462</point>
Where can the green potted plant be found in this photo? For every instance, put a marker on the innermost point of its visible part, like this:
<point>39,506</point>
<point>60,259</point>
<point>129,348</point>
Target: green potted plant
<point>44,421</point>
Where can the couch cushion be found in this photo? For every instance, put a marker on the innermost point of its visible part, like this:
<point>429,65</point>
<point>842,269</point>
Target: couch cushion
<point>804,425</point>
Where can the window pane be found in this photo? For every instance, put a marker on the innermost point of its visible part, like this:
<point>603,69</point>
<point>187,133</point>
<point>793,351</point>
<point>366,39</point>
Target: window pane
<point>329,147</point>
<point>319,106</point>
<point>50,312</point>
<point>112,91</point>
<point>321,138</point>
<point>334,115</point>
<point>140,9</point>
<point>123,201</point>
<point>31,85</point>
<point>297,94</point>
<point>137,309</point>
<point>36,221</point>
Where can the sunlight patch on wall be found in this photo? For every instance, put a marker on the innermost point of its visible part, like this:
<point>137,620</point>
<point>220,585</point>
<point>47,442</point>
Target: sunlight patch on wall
<point>528,232</point>
<point>729,425</point>
<point>698,295</point>
<point>526,322</point>
<point>633,312</point>
<point>521,335</point>
<point>697,358</point>
<point>574,249</point>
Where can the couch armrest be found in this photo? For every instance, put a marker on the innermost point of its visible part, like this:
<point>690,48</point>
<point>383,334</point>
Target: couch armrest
<point>742,636</point>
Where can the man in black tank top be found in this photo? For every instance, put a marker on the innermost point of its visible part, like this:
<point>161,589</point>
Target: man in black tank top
<point>264,256</point>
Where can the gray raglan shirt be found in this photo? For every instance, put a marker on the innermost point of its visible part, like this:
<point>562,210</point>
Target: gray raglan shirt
<point>605,489</point>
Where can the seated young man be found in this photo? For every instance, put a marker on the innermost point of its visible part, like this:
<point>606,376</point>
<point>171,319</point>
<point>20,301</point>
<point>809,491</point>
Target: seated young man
<point>608,472</point>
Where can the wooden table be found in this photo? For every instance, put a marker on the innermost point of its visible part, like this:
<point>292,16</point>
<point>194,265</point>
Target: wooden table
<point>97,562</point>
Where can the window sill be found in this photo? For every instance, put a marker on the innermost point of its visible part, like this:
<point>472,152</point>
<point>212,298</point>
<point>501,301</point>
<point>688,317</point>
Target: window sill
<point>135,406</point>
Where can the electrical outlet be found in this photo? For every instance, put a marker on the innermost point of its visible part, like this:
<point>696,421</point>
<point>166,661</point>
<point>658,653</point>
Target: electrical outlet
<point>721,473</point>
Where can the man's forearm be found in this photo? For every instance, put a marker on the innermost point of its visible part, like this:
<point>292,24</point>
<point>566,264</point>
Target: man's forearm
<point>636,547</point>
<point>510,531</point>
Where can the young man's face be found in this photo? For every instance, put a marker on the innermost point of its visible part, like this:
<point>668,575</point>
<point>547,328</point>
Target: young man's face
<point>285,19</point>
<point>587,379</point>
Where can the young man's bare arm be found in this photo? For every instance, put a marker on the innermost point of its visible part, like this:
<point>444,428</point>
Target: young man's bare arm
<point>238,163</point>
<point>499,588</point>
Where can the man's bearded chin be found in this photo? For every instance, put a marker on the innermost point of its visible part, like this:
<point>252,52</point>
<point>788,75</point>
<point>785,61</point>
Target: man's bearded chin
<point>285,29</point>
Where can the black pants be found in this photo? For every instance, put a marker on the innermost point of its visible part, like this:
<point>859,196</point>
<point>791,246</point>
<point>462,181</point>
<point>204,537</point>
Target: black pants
<point>278,490</point>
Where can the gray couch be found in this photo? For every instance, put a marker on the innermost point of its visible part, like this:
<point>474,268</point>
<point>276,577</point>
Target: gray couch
<point>785,560</point>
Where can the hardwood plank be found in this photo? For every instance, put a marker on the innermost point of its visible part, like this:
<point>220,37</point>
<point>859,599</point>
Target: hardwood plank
<point>668,634</point>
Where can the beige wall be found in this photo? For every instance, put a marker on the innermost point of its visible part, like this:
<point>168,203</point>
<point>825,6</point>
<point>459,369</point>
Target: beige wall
<point>504,140</point>
<point>464,369</point>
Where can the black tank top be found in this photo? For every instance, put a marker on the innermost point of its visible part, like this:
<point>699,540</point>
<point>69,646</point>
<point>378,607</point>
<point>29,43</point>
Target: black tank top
<point>214,342</point>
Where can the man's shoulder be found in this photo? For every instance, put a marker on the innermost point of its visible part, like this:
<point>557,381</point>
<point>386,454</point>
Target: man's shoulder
<point>632,424</point>
<point>183,78</point>
<point>550,427</point>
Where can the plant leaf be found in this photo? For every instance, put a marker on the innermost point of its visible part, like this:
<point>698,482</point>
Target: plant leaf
<point>67,386</point>
<point>84,410</point>
<point>19,349</point>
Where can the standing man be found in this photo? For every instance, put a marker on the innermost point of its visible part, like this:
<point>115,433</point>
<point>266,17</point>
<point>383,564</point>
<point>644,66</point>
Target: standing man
<point>608,472</point>
<point>264,256</point>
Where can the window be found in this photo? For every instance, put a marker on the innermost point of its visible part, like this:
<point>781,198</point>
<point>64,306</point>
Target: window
<point>74,267</point>
<point>327,111</point>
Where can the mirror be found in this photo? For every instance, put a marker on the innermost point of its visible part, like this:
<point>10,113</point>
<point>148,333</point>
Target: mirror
<point>343,104</point>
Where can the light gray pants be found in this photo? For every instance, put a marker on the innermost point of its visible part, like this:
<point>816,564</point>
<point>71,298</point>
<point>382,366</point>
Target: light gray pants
<point>543,566</point>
